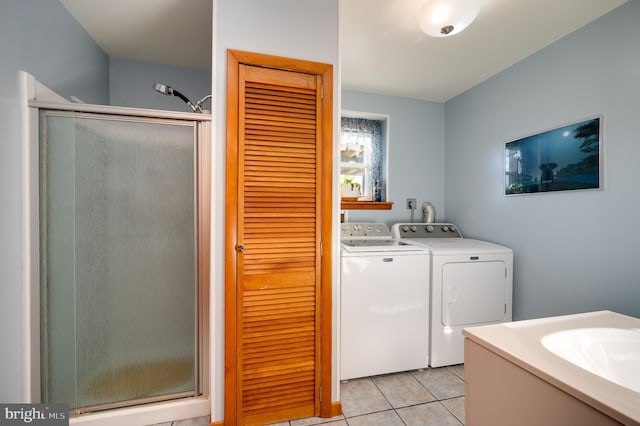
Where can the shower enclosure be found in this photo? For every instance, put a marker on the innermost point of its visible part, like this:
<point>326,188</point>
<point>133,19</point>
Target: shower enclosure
<point>123,258</point>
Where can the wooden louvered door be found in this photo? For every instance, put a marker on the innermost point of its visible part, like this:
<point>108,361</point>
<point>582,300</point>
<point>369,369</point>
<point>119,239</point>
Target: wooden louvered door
<point>275,221</point>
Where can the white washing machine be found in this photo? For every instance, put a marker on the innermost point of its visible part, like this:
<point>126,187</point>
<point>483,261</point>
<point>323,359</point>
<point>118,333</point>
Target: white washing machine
<point>384,302</point>
<point>471,284</point>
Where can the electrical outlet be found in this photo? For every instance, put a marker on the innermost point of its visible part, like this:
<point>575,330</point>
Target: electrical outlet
<point>411,203</point>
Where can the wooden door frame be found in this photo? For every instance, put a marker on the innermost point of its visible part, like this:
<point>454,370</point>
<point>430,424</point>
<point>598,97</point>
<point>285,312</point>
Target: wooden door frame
<point>325,71</point>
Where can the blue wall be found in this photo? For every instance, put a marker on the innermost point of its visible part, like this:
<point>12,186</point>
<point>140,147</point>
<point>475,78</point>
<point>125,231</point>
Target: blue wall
<point>42,38</point>
<point>574,251</point>
<point>131,85</point>
<point>415,154</point>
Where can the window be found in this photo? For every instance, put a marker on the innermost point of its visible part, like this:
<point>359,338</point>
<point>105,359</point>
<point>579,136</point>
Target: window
<point>362,154</point>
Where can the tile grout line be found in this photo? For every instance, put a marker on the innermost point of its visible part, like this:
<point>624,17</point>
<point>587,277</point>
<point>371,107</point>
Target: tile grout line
<point>395,409</point>
<point>390,404</point>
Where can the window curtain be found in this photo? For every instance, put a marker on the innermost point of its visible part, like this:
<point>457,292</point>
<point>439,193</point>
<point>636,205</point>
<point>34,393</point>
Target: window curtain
<point>374,180</point>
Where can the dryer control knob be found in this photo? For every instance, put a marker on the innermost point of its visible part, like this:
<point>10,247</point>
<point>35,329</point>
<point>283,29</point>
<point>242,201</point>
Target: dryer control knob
<point>405,228</point>
<point>414,229</point>
<point>429,228</point>
<point>445,229</point>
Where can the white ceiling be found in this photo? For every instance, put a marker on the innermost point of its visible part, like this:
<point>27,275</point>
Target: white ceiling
<point>155,31</point>
<point>382,48</point>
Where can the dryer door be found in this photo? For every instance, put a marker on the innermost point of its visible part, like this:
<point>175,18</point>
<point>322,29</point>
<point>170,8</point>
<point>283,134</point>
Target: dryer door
<point>473,293</point>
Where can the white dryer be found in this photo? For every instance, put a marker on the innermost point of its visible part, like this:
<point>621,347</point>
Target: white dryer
<point>471,284</point>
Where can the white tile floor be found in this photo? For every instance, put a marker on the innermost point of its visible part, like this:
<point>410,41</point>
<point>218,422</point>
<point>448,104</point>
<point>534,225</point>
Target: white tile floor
<point>433,396</point>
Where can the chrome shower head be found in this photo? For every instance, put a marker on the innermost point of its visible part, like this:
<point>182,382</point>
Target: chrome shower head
<point>168,90</point>
<point>163,88</point>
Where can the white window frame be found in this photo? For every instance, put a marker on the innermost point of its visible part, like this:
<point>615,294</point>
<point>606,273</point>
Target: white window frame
<point>367,192</point>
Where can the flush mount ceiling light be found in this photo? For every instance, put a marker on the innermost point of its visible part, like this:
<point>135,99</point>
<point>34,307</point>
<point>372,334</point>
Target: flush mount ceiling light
<point>442,18</point>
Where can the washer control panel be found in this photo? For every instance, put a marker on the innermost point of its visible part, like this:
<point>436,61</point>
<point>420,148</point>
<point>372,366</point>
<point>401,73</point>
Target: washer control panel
<point>425,230</point>
<point>364,230</point>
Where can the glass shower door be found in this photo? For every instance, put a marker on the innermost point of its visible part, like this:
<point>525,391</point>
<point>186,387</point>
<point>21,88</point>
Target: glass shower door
<point>118,259</point>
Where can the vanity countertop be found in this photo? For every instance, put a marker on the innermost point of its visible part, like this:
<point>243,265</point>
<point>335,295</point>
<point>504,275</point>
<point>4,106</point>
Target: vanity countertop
<point>520,343</point>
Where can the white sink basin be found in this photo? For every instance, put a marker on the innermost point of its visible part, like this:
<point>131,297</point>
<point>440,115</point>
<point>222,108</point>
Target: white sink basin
<point>612,353</point>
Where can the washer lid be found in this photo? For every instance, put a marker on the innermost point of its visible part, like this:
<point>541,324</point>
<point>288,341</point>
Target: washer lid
<point>374,245</point>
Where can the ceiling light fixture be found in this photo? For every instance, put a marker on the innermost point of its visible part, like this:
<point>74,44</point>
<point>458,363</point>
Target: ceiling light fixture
<point>442,18</point>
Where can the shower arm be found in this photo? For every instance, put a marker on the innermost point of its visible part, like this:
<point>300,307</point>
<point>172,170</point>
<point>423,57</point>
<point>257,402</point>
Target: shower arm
<point>201,101</point>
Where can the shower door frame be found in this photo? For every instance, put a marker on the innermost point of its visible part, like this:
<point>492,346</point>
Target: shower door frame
<point>198,403</point>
